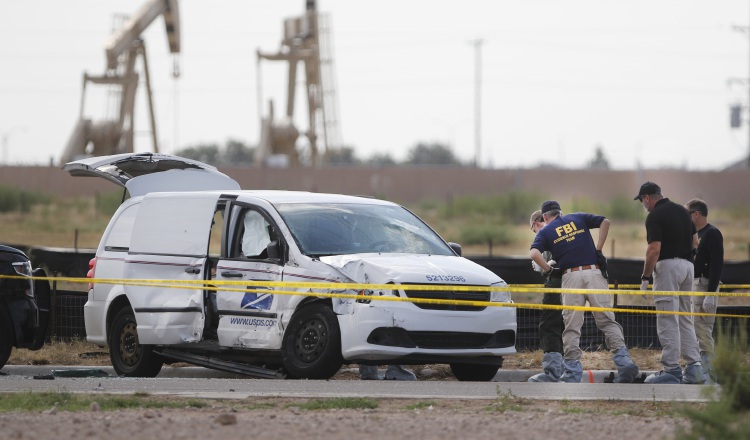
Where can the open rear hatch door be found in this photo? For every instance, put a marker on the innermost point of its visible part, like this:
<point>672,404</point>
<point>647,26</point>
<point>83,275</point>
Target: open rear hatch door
<point>144,173</point>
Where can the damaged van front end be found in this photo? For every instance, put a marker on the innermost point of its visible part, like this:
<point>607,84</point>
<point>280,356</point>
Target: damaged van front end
<point>441,309</point>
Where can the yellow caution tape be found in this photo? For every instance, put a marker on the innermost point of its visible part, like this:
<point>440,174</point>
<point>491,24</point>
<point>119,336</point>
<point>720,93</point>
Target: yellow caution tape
<point>359,287</point>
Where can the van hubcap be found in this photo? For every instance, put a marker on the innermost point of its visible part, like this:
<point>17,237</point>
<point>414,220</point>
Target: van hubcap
<point>312,340</point>
<point>130,349</point>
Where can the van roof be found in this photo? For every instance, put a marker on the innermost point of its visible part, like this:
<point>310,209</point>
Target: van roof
<point>283,196</point>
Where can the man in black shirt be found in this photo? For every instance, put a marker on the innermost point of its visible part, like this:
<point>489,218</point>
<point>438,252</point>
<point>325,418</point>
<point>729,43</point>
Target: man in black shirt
<point>709,263</point>
<point>669,259</point>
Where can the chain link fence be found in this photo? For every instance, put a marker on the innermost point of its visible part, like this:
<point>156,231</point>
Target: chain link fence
<point>639,328</point>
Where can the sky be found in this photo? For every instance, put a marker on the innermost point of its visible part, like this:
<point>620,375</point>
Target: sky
<point>650,82</point>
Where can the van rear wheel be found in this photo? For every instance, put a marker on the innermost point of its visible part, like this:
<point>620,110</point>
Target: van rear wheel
<point>311,348</point>
<point>129,357</point>
<point>474,372</point>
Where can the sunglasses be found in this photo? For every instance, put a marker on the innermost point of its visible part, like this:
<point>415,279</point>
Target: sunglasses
<point>538,219</point>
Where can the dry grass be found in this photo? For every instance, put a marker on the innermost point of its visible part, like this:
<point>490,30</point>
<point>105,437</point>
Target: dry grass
<point>56,224</point>
<point>65,224</point>
<point>74,352</point>
<point>646,359</point>
<point>80,352</point>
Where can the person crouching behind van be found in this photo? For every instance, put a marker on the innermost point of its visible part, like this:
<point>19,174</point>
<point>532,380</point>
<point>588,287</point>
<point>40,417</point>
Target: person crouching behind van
<point>551,323</point>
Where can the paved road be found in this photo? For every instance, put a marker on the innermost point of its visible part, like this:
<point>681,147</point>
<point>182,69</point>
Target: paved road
<point>199,382</point>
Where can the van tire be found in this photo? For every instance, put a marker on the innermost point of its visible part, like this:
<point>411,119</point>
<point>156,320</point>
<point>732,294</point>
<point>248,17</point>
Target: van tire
<point>6,336</point>
<point>311,348</point>
<point>130,358</point>
<point>474,372</point>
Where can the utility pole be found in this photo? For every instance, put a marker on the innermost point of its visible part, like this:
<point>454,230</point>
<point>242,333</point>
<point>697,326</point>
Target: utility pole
<point>745,30</point>
<point>477,100</point>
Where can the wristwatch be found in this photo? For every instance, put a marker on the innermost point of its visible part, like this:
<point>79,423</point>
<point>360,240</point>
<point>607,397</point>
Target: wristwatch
<point>645,278</point>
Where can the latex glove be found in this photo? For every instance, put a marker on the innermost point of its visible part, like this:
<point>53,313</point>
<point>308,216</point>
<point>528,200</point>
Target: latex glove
<point>536,267</point>
<point>644,285</point>
<point>552,263</point>
<point>709,304</point>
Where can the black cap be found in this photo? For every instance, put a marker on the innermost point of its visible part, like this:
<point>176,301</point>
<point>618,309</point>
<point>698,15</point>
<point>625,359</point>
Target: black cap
<point>648,189</point>
<point>550,205</point>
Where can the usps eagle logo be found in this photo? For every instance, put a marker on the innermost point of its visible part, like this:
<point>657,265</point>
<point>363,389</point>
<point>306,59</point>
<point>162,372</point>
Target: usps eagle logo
<point>256,301</point>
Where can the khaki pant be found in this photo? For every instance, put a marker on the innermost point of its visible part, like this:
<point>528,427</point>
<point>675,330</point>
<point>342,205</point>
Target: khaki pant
<point>605,321</point>
<point>704,325</point>
<point>676,332</point>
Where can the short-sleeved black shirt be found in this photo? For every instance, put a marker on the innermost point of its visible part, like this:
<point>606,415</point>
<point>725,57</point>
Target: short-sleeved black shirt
<point>670,224</point>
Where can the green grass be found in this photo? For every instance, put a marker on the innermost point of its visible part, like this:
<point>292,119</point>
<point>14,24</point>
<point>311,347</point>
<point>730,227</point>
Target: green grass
<point>17,199</point>
<point>507,402</point>
<point>569,409</point>
<point>338,403</point>
<point>420,405</point>
<point>259,406</point>
<point>67,401</point>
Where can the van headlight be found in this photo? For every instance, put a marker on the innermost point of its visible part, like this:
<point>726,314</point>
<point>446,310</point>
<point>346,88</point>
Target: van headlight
<point>498,294</point>
<point>23,268</point>
<point>368,295</point>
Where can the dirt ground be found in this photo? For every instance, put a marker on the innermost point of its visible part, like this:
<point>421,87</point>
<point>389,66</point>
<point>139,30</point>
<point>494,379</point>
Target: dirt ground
<point>392,419</point>
<point>505,417</point>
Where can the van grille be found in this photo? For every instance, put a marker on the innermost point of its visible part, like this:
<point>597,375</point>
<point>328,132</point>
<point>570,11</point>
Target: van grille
<point>398,337</point>
<point>450,295</point>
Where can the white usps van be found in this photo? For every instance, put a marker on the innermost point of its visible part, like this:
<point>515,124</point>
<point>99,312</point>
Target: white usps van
<point>187,222</point>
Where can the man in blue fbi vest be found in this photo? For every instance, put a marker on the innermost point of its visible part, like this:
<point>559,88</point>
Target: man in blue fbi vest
<point>579,262</point>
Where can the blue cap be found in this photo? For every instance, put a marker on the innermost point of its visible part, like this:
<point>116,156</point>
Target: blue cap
<point>550,205</point>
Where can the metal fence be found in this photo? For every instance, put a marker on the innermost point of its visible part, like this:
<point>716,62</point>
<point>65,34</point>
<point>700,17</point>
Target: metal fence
<point>66,320</point>
<point>639,328</point>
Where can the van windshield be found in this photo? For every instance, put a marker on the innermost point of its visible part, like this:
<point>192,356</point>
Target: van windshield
<point>336,229</point>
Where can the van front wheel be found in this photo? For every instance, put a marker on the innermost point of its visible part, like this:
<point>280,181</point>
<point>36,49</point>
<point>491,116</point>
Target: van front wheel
<point>130,358</point>
<point>311,348</point>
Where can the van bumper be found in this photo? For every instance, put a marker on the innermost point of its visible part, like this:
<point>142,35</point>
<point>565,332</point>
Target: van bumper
<point>93,317</point>
<point>387,331</point>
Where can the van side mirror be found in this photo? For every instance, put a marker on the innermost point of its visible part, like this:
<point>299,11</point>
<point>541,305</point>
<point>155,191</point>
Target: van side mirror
<point>456,248</point>
<point>274,250</point>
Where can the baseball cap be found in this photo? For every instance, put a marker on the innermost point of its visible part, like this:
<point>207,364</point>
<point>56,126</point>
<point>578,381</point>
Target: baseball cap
<point>535,217</point>
<point>647,189</point>
<point>549,205</point>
